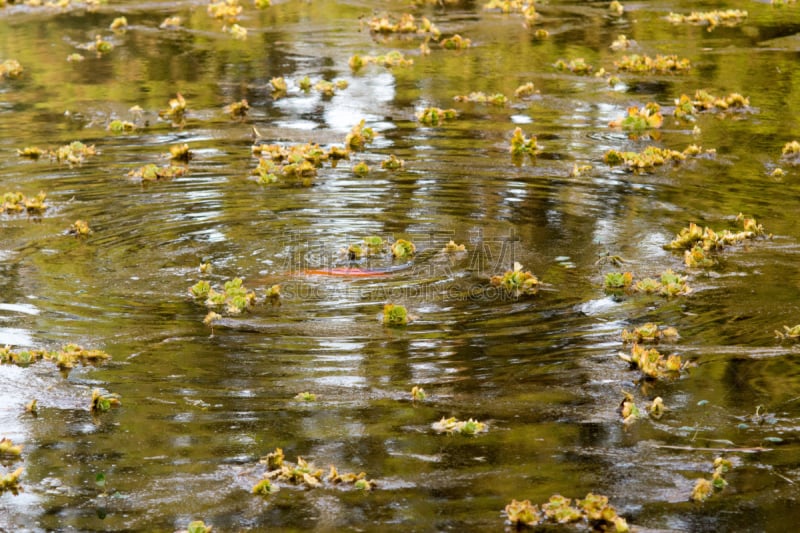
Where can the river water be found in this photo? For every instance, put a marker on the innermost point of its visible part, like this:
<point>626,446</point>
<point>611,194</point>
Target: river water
<point>200,406</point>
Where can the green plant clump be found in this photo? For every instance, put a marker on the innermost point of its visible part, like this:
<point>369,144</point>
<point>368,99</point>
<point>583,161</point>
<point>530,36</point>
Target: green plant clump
<point>516,282</point>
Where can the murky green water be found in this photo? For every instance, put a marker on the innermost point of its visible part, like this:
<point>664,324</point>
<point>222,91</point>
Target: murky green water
<point>198,411</point>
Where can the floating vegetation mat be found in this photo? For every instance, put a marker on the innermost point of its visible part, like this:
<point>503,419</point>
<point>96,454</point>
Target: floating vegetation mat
<point>304,474</point>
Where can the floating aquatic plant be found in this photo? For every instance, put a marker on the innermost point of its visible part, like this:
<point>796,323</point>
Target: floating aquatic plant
<point>692,237</point>
<point>238,32</point>
<point>72,354</point>
<point>520,145</point>
<point>388,60</point>
<point>616,8</point>
<point>656,408</point>
<point>304,473</point>
<point>651,157</point>
<point>264,488</point>
<point>525,90</point>
<point>262,4</point>
<point>176,110</point>
<point>16,202</point>
<point>704,488</point>
<point>792,333</point>
<point>432,116</point>
<point>497,99</point>
<point>10,482</point>
<point>359,136</point>
<point>200,290</point>
<point>526,8</point>
<point>119,23</point>
<point>652,363</point>
<point>171,23</point>
<point>407,24</point>
<point>210,318</point>
<point>8,448</point>
<point>227,10</point>
<point>417,394</point>
<point>576,66</point>
<point>121,126</point>
<point>522,513</point>
<point>103,402</point>
<point>456,42</point>
<point>392,163</point>
<point>234,297</point>
<point>273,295</point>
<point>73,153</point>
<point>464,427</point>
<point>618,280</point>
<point>395,315</point>
<point>580,170</point>
<point>80,228</point>
<point>180,152</point>
<point>306,397</point>
<point>703,101</point>
<point>403,249</point>
<point>649,332</point>
<point>152,172</point>
<point>643,64</point>
<point>31,152</point>
<point>621,43</point>
<point>10,68</point>
<point>712,19</point>
<point>237,109</point>
<point>32,407</point>
<point>516,282</point>
<point>198,526</point>
<point>639,119</point>
<point>451,247</point>
<point>361,168</point>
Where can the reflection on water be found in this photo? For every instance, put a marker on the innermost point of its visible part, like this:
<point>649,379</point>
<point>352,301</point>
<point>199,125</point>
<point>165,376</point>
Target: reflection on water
<point>199,409</point>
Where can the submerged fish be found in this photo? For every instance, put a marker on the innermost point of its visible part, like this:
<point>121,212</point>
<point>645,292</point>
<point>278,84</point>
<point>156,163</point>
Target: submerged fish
<point>356,272</point>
